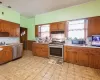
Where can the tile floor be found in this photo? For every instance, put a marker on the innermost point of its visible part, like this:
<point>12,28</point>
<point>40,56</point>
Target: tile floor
<point>36,68</point>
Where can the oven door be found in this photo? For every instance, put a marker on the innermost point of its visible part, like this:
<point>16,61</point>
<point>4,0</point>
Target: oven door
<point>56,51</point>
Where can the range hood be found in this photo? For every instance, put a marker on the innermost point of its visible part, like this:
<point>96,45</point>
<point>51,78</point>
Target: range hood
<point>57,32</point>
<point>4,34</point>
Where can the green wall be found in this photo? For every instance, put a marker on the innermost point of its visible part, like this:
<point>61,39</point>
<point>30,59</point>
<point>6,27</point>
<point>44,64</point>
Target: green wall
<point>9,15</point>
<point>80,11</point>
<point>13,16</point>
<point>29,24</point>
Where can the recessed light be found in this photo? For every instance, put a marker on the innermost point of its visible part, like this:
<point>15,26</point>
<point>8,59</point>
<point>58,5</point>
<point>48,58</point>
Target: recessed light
<point>9,6</point>
<point>2,13</point>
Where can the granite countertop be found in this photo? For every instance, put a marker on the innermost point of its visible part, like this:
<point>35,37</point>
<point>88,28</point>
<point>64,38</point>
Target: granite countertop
<point>10,44</point>
<point>81,45</point>
<point>73,45</point>
<point>4,45</point>
<point>41,43</point>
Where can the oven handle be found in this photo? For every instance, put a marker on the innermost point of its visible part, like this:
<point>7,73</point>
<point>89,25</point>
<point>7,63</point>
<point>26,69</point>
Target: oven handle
<point>56,46</point>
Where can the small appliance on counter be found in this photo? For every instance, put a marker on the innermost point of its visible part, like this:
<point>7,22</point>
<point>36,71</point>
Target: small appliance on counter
<point>78,41</point>
<point>95,40</point>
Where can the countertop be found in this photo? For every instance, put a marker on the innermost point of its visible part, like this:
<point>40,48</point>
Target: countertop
<point>10,44</point>
<point>81,45</point>
<point>41,43</point>
<point>4,45</point>
<point>73,45</point>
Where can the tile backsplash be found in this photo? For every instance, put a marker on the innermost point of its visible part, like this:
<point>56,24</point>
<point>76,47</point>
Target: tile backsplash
<point>10,39</point>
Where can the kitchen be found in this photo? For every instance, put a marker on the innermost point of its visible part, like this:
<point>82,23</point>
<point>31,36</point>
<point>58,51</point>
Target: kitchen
<point>71,40</point>
<point>58,41</point>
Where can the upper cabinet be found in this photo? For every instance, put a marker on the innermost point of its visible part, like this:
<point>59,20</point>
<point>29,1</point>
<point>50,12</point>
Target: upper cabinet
<point>53,27</point>
<point>93,26</point>
<point>12,28</point>
<point>59,26</point>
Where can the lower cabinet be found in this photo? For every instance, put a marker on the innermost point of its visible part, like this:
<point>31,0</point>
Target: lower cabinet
<point>94,59</point>
<point>82,56</point>
<point>40,50</point>
<point>5,54</point>
<point>71,56</point>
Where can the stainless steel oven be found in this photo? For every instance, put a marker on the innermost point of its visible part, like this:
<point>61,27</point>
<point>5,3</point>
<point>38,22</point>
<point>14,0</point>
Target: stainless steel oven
<point>56,50</point>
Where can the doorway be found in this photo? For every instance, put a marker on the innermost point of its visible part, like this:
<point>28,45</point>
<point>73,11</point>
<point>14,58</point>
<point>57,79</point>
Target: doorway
<point>23,37</point>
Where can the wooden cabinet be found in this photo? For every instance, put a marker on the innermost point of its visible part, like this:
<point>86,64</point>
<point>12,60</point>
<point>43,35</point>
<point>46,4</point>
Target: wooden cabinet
<point>29,44</point>
<point>40,50</point>
<point>36,31</point>
<point>58,26</point>
<point>82,56</point>
<point>61,26</point>
<point>5,54</point>
<point>94,58</point>
<point>76,55</point>
<point>53,27</point>
<point>93,26</point>
<point>94,61</point>
<point>70,55</point>
<point>12,28</point>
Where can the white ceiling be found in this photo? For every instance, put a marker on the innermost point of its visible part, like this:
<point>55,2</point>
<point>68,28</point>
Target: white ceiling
<point>34,7</point>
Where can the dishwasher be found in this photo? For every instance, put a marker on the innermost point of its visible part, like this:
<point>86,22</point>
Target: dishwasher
<point>17,51</point>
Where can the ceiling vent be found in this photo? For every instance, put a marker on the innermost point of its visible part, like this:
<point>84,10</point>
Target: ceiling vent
<point>0,2</point>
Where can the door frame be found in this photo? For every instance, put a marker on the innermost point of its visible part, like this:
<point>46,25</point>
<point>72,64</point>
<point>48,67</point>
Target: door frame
<point>26,29</point>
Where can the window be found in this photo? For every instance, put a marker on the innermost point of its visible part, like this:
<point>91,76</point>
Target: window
<point>76,29</point>
<point>44,31</point>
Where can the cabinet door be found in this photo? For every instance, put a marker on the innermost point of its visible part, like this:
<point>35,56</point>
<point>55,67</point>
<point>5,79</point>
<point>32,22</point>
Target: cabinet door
<point>54,27</point>
<point>4,26</point>
<point>40,50</point>
<point>0,26</point>
<point>16,29</point>
<point>94,61</point>
<point>1,55</point>
<point>34,49</point>
<point>82,58</point>
<point>71,56</point>
<point>5,54</point>
<point>65,53</point>
<point>45,50</point>
<point>8,53</point>
<point>12,28</point>
<point>93,26</point>
<point>61,26</point>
